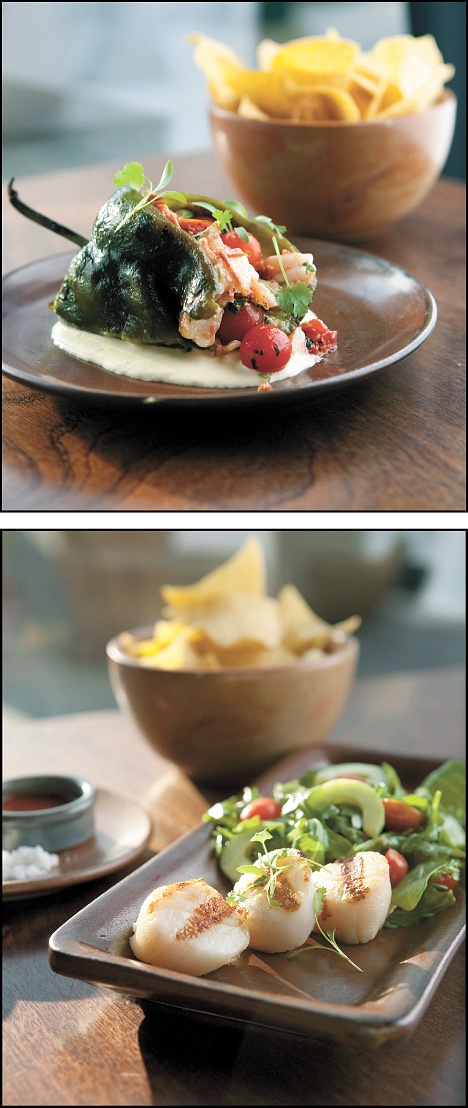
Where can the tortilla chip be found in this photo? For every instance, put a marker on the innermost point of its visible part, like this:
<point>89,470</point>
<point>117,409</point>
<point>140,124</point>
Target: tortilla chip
<point>244,572</point>
<point>234,619</point>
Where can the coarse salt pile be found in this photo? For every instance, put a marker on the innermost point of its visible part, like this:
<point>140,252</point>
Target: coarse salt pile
<point>27,862</point>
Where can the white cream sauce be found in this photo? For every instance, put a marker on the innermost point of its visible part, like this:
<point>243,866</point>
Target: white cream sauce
<point>173,366</point>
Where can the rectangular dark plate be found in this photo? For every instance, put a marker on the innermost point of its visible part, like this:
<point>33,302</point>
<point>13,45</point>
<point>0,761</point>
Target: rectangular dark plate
<point>316,993</point>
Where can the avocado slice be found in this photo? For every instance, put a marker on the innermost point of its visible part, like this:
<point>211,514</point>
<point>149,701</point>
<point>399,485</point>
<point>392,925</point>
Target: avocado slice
<point>375,775</point>
<point>236,852</point>
<point>357,793</point>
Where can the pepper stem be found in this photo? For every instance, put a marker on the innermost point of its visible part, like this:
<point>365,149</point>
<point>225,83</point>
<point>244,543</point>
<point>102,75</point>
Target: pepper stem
<point>43,219</point>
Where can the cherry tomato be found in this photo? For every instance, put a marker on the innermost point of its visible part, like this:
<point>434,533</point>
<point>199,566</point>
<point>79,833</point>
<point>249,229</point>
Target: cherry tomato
<point>237,321</point>
<point>397,865</point>
<point>444,879</point>
<point>263,806</point>
<point>252,248</point>
<point>319,335</point>
<point>400,816</point>
<point>266,349</point>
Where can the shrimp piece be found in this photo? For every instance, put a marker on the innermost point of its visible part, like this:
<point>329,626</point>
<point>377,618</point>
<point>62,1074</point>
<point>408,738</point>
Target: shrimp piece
<point>298,267</point>
<point>235,273</point>
<point>188,927</point>
<point>200,331</point>
<point>357,896</point>
<point>288,921</point>
<point>221,350</point>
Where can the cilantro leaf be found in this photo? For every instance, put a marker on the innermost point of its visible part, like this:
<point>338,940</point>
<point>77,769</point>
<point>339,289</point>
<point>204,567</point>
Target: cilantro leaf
<point>295,299</point>
<point>224,219</point>
<point>132,174</point>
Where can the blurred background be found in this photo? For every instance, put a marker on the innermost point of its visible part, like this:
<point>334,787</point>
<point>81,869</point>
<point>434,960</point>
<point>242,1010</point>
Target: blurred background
<point>67,592</point>
<point>84,83</point>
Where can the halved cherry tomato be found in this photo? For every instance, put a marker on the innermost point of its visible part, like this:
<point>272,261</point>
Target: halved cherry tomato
<point>237,321</point>
<point>397,865</point>
<point>444,879</point>
<point>266,349</point>
<point>319,335</point>
<point>252,248</point>
<point>400,816</point>
<point>263,806</point>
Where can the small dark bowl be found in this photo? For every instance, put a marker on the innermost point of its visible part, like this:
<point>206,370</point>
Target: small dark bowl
<point>55,828</point>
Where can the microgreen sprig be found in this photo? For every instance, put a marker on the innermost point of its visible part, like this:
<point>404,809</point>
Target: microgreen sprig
<point>134,175</point>
<point>279,230</point>
<point>265,870</point>
<point>294,298</point>
<point>319,899</point>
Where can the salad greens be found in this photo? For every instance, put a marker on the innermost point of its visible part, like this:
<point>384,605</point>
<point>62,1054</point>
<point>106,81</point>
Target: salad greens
<point>435,848</point>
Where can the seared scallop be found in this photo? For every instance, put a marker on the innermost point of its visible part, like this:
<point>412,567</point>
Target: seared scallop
<point>279,912</point>
<point>357,896</point>
<point>188,927</point>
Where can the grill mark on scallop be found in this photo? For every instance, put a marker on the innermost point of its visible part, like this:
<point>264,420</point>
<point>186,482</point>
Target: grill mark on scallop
<point>352,871</point>
<point>203,917</point>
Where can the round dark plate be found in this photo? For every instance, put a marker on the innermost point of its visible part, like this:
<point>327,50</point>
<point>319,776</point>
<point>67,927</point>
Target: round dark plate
<point>381,314</point>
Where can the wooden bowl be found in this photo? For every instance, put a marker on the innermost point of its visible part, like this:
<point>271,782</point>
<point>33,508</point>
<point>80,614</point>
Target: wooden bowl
<point>335,180</point>
<point>225,726</point>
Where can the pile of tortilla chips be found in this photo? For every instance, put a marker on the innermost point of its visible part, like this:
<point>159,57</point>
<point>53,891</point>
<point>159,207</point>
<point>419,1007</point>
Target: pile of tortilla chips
<point>327,78</point>
<point>227,619</point>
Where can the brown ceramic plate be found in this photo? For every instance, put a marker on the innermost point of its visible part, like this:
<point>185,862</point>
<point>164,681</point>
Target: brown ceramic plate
<point>380,312</point>
<point>122,831</point>
<point>316,993</point>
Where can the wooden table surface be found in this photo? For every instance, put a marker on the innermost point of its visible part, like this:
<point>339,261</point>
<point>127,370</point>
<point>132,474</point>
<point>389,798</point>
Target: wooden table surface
<point>66,1042</point>
<point>393,442</point>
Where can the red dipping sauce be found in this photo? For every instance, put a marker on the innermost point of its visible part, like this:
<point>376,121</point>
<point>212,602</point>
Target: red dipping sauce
<point>30,803</point>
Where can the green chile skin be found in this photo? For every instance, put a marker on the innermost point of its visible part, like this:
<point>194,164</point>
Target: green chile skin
<point>132,283</point>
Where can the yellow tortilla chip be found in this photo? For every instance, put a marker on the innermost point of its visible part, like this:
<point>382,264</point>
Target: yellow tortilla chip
<point>164,632</point>
<point>401,74</point>
<point>411,63</point>
<point>249,110</point>
<point>227,620</point>
<point>316,60</point>
<point>243,654</point>
<point>325,102</point>
<point>302,628</point>
<point>234,618</point>
<point>219,64</point>
<point>244,572</point>
<point>266,50</point>
<point>178,654</point>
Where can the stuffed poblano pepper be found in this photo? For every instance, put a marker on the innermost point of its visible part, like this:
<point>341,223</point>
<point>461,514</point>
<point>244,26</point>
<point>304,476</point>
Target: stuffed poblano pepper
<point>168,269</point>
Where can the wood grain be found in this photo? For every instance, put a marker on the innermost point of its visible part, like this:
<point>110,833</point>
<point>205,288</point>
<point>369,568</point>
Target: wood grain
<point>393,442</point>
<point>66,1042</point>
